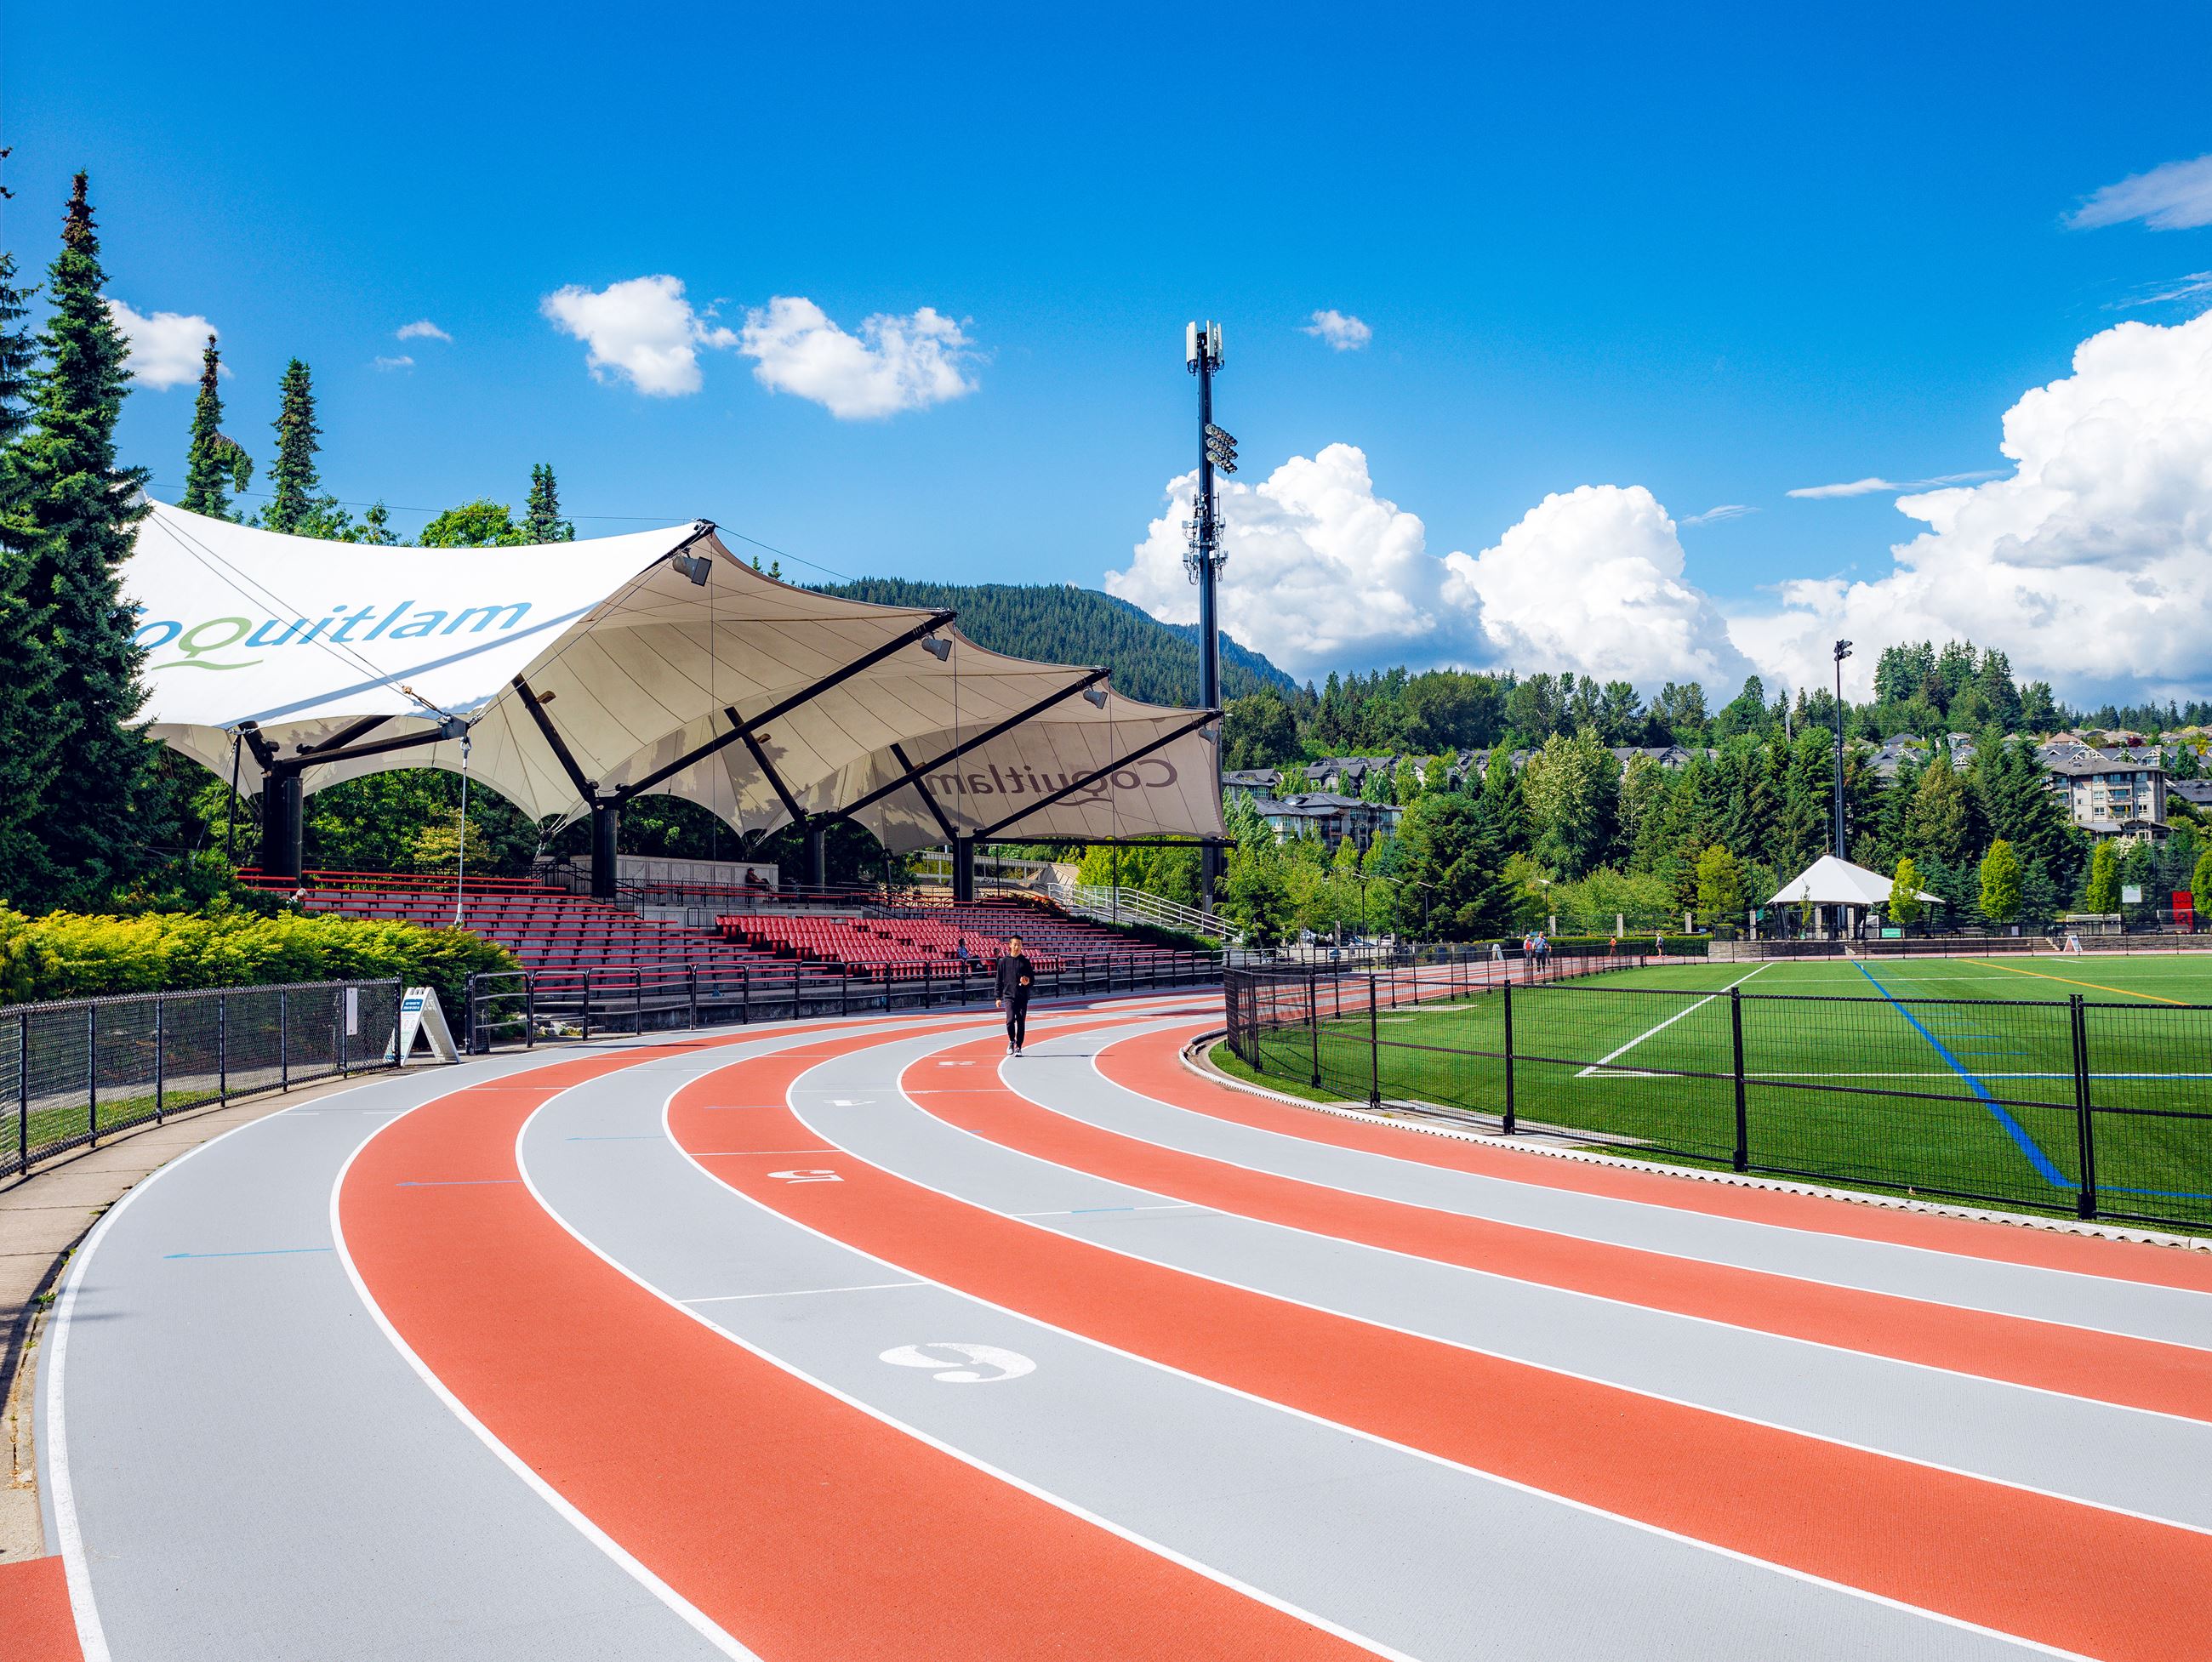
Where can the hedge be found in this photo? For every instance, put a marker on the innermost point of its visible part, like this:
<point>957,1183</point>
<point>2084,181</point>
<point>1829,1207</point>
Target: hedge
<point>65,954</point>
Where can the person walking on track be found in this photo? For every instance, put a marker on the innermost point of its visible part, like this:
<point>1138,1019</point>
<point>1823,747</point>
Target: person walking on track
<point>1017,975</point>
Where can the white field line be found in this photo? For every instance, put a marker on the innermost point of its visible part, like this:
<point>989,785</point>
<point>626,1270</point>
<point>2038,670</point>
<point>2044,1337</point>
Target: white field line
<point>1687,1009</point>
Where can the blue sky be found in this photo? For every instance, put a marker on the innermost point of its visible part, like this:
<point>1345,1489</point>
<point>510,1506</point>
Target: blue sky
<point>1718,255</point>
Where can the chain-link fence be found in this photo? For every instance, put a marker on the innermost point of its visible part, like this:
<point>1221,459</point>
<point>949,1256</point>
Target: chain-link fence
<point>73,1072</point>
<point>2097,1109</point>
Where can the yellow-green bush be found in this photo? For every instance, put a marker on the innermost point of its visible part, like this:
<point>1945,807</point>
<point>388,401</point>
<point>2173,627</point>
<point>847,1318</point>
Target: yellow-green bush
<point>67,954</point>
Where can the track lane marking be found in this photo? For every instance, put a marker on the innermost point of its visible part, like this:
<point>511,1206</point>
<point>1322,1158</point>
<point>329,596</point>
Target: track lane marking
<point>2090,1257</point>
<point>871,1557</point>
<point>1821,1501</point>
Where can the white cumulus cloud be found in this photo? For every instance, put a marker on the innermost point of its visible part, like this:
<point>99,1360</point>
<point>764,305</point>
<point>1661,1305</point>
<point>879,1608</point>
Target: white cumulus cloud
<point>894,363</point>
<point>1591,580</point>
<point>403,362</point>
<point>165,347</point>
<point>2090,563</point>
<point>1341,330</point>
<point>2176,196</point>
<point>642,328</point>
<point>420,330</point>
<point>1322,573</point>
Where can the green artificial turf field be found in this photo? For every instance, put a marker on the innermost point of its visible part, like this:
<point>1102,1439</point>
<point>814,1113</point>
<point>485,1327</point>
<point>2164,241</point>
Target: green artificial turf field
<point>1945,1076</point>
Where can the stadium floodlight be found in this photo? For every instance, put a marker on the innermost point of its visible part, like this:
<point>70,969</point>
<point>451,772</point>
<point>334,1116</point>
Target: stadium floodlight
<point>697,566</point>
<point>1096,695</point>
<point>1220,448</point>
<point>1843,652</point>
<point>940,650</point>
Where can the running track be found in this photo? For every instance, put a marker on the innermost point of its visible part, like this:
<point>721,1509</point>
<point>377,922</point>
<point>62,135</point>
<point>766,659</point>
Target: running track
<point>856,1340</point>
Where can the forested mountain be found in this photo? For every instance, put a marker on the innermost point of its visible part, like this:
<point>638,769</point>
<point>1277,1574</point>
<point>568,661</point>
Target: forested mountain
<point>1152,661</point>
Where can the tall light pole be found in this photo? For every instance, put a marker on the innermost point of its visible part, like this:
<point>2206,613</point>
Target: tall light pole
<point>1843,652</point>
<point>1217,451</point>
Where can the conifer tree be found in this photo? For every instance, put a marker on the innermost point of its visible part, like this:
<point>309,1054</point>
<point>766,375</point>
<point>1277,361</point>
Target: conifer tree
<point>27,743</point>
<point>541,517</point>
<point>216,465</point>
<point>2101,894</point>
<point>77,510</point>
<point>2001,878</point>
<point>293,477</point>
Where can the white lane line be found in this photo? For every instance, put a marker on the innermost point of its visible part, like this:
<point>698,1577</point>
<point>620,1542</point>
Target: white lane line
<point>1086,1211</point>
<point>801,1292</point>
<point>1073,1508</point>
<point>53,1428</point>
<point>685,1610</point>
<point>1514,1485</point>
<point>1687,1009</point>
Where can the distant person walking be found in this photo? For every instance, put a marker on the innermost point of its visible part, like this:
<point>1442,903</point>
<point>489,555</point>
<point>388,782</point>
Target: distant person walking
<point>1017,975</point>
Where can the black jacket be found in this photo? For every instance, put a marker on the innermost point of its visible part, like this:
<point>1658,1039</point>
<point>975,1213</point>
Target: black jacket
<point>1015,974</point>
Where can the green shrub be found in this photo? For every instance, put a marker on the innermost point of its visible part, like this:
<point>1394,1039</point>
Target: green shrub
<point>66,955</point>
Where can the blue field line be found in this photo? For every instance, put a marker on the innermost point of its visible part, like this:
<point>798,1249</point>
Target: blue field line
<point>2027,1145</point>
<point>2049,1173</point>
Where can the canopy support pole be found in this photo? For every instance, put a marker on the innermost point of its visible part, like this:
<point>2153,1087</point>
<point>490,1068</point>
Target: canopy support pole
<point>921,789</point>
<point>817,853</point>
<point>283,822</point>
<point>1091,778</point>
<point>606,838</point>
<point>585,788</point>
<point>963,870</point>
<point>1091,678</point>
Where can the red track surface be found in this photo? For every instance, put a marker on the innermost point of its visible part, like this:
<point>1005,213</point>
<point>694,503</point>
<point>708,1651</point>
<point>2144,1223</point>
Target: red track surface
<point>1978,1551</point>
<point>2136,1373</point>
<point>36,1622</point>
<point>802,1526</point>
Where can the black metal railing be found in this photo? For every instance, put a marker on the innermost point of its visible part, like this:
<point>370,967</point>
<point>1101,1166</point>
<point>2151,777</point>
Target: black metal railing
<point>75,1072</point>
<point>522,1007</point>
<point>2098,1109</point>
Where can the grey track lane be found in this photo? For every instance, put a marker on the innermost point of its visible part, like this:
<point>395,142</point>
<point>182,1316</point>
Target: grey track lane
<point>259,1475</point>
<point>1426,1558</point>
<point>2091,1450</point>
<point>2175,1315</point>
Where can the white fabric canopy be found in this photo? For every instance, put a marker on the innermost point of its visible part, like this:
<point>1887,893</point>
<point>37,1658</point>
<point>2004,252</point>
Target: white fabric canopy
<point>636,668</point>
<point>1830,882</point>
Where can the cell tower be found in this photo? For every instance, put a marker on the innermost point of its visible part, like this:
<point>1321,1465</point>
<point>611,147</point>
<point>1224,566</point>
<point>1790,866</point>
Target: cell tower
<point>1217,453</point>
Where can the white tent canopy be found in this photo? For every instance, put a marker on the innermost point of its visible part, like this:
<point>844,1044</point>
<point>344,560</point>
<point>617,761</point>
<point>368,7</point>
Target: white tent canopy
<point>1830,882</point>
<point>591,672</point>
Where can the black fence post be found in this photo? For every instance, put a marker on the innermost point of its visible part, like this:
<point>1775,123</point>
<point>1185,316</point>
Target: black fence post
<point>1313,1021</point>
<point>1740,1161</point>
<point>160,1072</point>
<point>23,1092</point>
<point>2085,1202</point>
<point>469,1033</point>
<point>1374,1048</point>
<point>529,1012</point>
<point>587,1017</point>
<point>346,995</point>
<point>222,1048</point>
<point>691,997</point>
<point>745,995</point>
<point>284,1043</point>
<point>1506,992</point>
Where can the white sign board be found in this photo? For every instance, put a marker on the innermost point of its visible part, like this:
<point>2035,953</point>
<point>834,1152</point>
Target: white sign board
<point>2131,893</point>
<point>421,1020</point>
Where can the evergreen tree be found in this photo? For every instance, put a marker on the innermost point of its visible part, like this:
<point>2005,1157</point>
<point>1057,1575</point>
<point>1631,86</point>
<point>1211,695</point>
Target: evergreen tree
<point>1937,823</point>
<point>1504,814</point>
<point>77,509</point>
<point>215,465</point>
<point>293,479</point>
<point>1573,789</point>
<point>2001,884</point>
<point>2199,882</point>
<point>1720,886</point>
<point>2101,893</point>
<point>27,740</point>
<point>541,515</point>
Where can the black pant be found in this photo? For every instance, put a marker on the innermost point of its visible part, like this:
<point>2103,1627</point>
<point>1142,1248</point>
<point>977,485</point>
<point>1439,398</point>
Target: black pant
<point>1017,1019</point>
